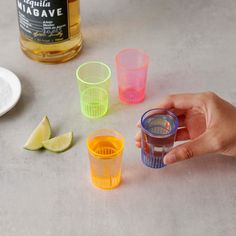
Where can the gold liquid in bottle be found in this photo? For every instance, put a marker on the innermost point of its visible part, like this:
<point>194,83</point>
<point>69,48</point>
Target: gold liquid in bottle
<point>50,29</point>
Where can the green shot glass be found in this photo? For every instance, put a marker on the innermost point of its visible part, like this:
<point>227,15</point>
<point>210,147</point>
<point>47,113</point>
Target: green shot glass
<point>93,80</point>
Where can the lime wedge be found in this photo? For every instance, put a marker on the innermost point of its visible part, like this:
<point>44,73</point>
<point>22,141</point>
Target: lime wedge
<point>59,143</point>
<point>41,133</point>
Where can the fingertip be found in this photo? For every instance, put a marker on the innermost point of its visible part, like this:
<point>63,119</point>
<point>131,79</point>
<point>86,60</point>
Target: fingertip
<point>138,144</point>
<point>169,159</point>
<point>138,136</point>
<point>165,103</point>
<point>138,125</point>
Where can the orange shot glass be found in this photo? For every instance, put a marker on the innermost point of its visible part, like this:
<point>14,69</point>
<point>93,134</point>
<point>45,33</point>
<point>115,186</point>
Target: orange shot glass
<point>105,150</point>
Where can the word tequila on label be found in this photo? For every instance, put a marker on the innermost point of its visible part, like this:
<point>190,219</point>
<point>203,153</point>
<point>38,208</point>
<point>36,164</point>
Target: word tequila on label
<point>49,29</point>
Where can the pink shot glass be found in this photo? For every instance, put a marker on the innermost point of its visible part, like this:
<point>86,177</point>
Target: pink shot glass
<point>132,66</point>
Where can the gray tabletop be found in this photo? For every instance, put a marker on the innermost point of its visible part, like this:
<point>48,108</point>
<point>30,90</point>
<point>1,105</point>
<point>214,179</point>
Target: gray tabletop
<point>192,48</point>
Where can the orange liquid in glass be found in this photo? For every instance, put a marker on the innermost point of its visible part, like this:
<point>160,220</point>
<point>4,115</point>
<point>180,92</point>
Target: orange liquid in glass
<point>105,161</point>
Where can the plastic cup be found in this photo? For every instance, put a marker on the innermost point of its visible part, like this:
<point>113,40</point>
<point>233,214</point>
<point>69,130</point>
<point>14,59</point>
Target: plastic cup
<point>105,147</point>
<point>131,66</point>
<point>93,80</point>
<point>158,128</point>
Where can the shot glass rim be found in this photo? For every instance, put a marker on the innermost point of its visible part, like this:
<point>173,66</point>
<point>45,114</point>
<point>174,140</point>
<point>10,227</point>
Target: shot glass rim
<point>113,155</point>
<point>93,62</point>
<point>145,64</point>
<point>176,121</point>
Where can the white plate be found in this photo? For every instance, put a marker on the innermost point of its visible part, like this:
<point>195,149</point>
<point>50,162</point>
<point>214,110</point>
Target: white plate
<point>10,90</point>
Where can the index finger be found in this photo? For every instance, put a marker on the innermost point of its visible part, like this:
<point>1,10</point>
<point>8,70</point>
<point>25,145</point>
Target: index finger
<point>182,101</point>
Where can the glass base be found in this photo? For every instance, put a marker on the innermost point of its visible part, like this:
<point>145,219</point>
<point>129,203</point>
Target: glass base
<point>152,161</point>
<point>131,96</point>
<point>106,183</point>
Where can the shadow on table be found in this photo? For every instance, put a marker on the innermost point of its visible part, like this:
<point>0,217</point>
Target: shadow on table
<point>184,172</point>
<point>202,166</point>
<point>116,105</point>
<point>136,173</point>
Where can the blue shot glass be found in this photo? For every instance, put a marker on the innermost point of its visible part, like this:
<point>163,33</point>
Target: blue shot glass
<point>158,128</point>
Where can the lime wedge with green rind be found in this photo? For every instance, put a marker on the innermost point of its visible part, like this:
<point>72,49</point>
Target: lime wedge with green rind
<point>59,143</point>
<point>41,133</point>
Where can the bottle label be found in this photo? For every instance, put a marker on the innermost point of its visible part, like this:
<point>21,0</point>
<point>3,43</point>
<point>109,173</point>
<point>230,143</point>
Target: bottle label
<point>43,21</point>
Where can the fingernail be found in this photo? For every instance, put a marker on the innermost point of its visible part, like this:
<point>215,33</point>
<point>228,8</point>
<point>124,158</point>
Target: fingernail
<point>169,159</point>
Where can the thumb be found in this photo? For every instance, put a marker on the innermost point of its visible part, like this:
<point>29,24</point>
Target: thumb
<point>196,147</point>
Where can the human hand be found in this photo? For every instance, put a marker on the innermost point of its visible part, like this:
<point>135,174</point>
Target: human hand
<point>206,120</point>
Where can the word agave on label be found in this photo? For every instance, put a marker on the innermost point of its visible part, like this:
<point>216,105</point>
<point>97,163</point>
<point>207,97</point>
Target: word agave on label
<point>30,10</point>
